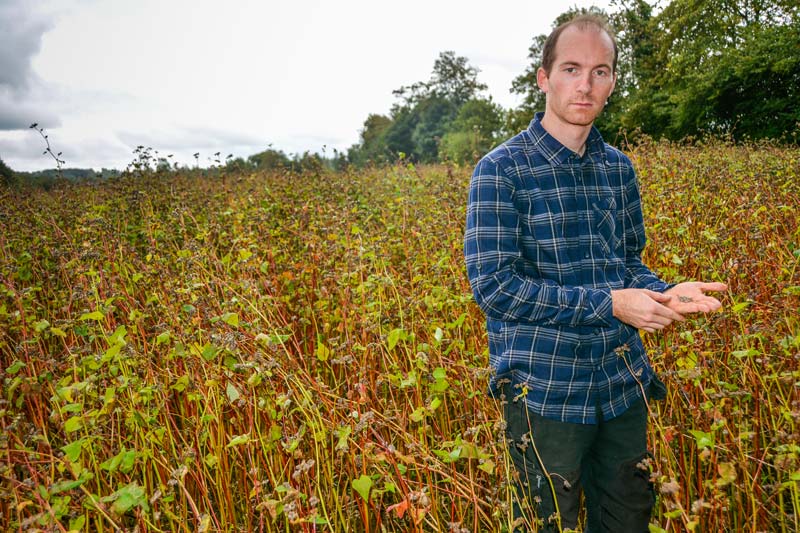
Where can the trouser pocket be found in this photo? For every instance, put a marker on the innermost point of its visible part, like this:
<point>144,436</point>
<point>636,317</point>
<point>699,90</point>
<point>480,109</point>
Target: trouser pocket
<point>629,497</point>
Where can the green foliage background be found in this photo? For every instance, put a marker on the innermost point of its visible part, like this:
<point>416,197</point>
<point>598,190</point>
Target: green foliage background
<point>723,67</point>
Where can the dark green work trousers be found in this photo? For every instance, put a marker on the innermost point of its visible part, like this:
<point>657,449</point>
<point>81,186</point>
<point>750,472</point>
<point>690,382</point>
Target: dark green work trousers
<point>608,462</point>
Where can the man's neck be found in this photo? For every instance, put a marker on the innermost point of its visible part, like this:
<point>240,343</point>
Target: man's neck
<point>570,135</point>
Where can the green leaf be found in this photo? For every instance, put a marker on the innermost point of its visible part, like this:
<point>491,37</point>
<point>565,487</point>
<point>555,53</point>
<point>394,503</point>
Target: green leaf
<point>487,466</point>
<point>77,523</point>
<point>118,337</point>
<point>163,338</point>
<point>741,306</point>
<point>343,433</point>
<point>418,415</point>
<point>181,383</point>
<point>94,315</point>
<point>448,456</point>
<point>740,354</point>
<point>363,485</point>
<point>409,381</point>
<point>323,352</point>
<point>394,337</point>
<point>704,440</point>
<point>128,461</point>
<point>63,486</point>
<point>232,319</point>
<point>41,325</point>
<point>210,352</point>
<point>73,450</point>
<point>73,424</point>
<point>232,392</point>
<point>126,498</point>
<point>238,440</point>
<point>112,352</point>
<point>15,367</point>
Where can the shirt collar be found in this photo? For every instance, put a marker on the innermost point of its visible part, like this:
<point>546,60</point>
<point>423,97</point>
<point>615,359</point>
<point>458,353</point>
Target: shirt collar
<point>555,152</point>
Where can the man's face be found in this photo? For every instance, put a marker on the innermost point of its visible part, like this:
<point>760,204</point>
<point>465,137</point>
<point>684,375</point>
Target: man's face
<point>581,78</point>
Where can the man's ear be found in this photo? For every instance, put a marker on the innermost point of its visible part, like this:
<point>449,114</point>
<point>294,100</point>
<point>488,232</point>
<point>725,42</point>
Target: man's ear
<point>541,80</point>
<point>613,83</point>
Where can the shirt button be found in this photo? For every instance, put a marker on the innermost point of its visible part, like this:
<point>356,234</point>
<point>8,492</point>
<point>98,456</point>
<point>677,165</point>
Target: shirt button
<point>586,255</point>
<point>596,331</point>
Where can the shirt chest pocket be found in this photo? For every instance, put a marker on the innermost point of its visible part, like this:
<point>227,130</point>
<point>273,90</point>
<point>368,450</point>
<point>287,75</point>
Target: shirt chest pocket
<point>604,215</point>
<point>549,219</point>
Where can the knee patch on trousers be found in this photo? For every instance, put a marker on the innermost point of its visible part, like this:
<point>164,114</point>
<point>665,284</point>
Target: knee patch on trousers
<point>630,498</point>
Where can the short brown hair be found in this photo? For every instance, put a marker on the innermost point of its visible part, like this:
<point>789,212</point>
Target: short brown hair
<point>582,21</point>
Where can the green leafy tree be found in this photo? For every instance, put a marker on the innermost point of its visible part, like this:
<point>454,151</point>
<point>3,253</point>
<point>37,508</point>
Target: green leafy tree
<point>421,118</point>
<point>308,162</point>
<point>474,131</point>
<point>435,114</point>
<point>399,134</point>
<point>719,66</point>
<point>270,159</point>
<point>452,78</point>
<point>7,176</point>
<point>372,146</point>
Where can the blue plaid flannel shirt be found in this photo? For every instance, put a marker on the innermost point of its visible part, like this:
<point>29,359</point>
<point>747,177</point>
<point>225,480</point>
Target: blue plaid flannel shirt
<point>548,235</point>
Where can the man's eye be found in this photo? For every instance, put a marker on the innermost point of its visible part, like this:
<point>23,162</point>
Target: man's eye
<point>601,73</point>
<point>571,70</point>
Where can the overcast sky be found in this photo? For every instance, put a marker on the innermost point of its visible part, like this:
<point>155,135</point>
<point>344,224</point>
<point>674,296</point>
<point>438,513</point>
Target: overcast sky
<point>180,76</point>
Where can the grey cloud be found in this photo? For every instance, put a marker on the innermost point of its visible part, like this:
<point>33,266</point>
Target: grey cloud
<point>21,30</point>
<point>26,152</point>
<point>19,114</point>
<point>21,33</point>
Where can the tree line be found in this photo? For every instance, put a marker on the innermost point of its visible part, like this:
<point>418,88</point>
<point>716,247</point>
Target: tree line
<point>694,68</point>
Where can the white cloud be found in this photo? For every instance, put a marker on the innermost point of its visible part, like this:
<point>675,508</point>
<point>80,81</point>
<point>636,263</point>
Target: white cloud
<point>188,76</point>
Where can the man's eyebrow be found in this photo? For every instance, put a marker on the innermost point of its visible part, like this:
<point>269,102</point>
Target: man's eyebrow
<point>576,64</point>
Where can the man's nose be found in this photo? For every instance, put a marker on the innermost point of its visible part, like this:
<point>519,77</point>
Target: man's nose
<point>585,83</point>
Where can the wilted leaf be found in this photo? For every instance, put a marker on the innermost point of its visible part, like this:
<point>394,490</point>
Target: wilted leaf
<point>727,474</point>
<point>399,509</point>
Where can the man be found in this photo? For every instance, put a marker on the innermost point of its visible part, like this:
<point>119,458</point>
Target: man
<point>553,251</point>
